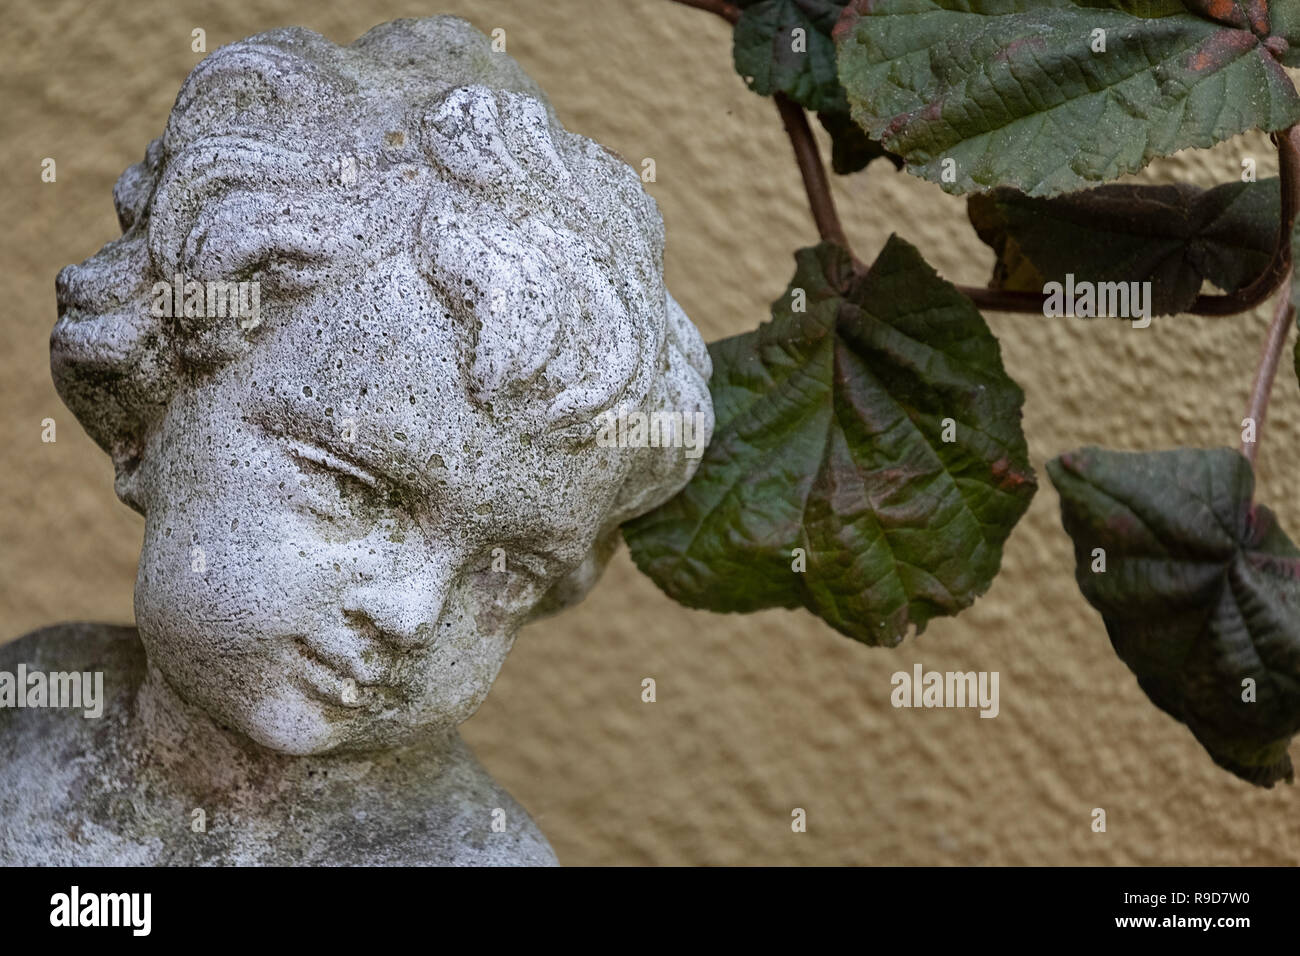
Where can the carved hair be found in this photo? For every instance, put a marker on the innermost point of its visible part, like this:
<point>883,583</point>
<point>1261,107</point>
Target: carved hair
<point>508,212</point>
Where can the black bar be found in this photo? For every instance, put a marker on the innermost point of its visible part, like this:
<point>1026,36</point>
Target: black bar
<point>335,906</point>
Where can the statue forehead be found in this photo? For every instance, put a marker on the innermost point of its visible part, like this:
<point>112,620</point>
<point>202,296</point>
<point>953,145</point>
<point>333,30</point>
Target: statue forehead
<point>396,379</point>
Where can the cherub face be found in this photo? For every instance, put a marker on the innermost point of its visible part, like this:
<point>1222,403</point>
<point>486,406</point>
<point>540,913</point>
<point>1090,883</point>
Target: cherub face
<point>339,548</point>
<point>355,495</point>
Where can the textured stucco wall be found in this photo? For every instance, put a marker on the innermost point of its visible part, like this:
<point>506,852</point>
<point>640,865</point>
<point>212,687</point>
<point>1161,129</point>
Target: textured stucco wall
<point>759,714</point>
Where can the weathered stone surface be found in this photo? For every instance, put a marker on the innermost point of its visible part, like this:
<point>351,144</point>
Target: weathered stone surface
<point>124,789</point>
<point>361,484</point>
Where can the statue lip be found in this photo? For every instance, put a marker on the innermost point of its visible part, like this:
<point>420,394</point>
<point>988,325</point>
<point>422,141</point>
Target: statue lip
<point>327,677</point>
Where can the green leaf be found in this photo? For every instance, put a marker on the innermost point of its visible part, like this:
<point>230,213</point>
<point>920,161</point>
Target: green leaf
<point>765,54</point>
<point>1012,93</point>
<point>830,437</point>
<point>763,46</point>
<point>1174,237</point>
<point>851,148</point>
<point>1286,26</point>
<point>1200,593</point>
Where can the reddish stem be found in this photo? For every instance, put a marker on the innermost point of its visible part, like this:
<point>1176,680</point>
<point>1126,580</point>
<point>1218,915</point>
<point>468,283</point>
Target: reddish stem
<point>1001,300</point>
<point>808,156</point>
<point>729,12</point>
<point>1245,298</point>
<point>1269,359</point>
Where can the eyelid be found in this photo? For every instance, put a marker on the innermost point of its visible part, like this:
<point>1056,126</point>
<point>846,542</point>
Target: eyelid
<point>324,459</point>
<point>209,253</point>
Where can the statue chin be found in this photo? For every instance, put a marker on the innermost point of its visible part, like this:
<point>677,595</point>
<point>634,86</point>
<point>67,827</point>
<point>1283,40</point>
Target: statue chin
<point>350,357</point>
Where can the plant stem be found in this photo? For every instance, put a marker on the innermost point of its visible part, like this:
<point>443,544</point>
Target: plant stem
<point>1269,358</point>
<point>806,153</point>
<point>808,156</point>
<point>1288,160</point>
<point>1288,146</point>
<point>729,12</point>
<point>1245,298</point>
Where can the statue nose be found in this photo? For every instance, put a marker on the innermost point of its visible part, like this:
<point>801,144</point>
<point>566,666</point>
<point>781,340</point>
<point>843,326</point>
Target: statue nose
<point>404,617</point>
<point>106,279</point>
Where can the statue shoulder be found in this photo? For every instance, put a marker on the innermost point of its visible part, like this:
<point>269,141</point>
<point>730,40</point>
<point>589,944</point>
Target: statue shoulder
<point>75,645</point>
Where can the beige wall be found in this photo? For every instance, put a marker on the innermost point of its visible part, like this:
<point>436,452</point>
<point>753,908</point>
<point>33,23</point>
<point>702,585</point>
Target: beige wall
<point>756,714</point>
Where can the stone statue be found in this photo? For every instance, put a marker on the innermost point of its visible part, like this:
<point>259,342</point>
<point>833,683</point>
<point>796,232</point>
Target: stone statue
<point>348,357</point>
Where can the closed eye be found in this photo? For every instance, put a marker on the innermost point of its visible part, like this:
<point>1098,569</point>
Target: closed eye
<point>283,272</point>
<point>534,564</point>
<point>322,460</point>
<point>213,255</point>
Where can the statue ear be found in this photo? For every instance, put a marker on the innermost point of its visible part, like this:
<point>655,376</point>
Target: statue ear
<point>682,386</point>
<point>658,473</point>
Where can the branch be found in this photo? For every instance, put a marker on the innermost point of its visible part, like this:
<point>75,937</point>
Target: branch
<point>1266,371</point>
<point>1002,300</point>
<point>809,158</point>
<point>729,12</point>
<point>806,153</point>
<point>1288,144</point>
<point>1245,298</point>
<point>1288,161</point>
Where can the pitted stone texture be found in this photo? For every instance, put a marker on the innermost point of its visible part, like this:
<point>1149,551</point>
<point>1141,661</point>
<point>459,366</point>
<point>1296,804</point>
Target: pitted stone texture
<point>360,485</point>
<point>123,790</point>
<point>757,713</point>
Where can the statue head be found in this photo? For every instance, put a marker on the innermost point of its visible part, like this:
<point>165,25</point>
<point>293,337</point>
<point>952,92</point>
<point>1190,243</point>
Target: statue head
<point>349,357</point>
